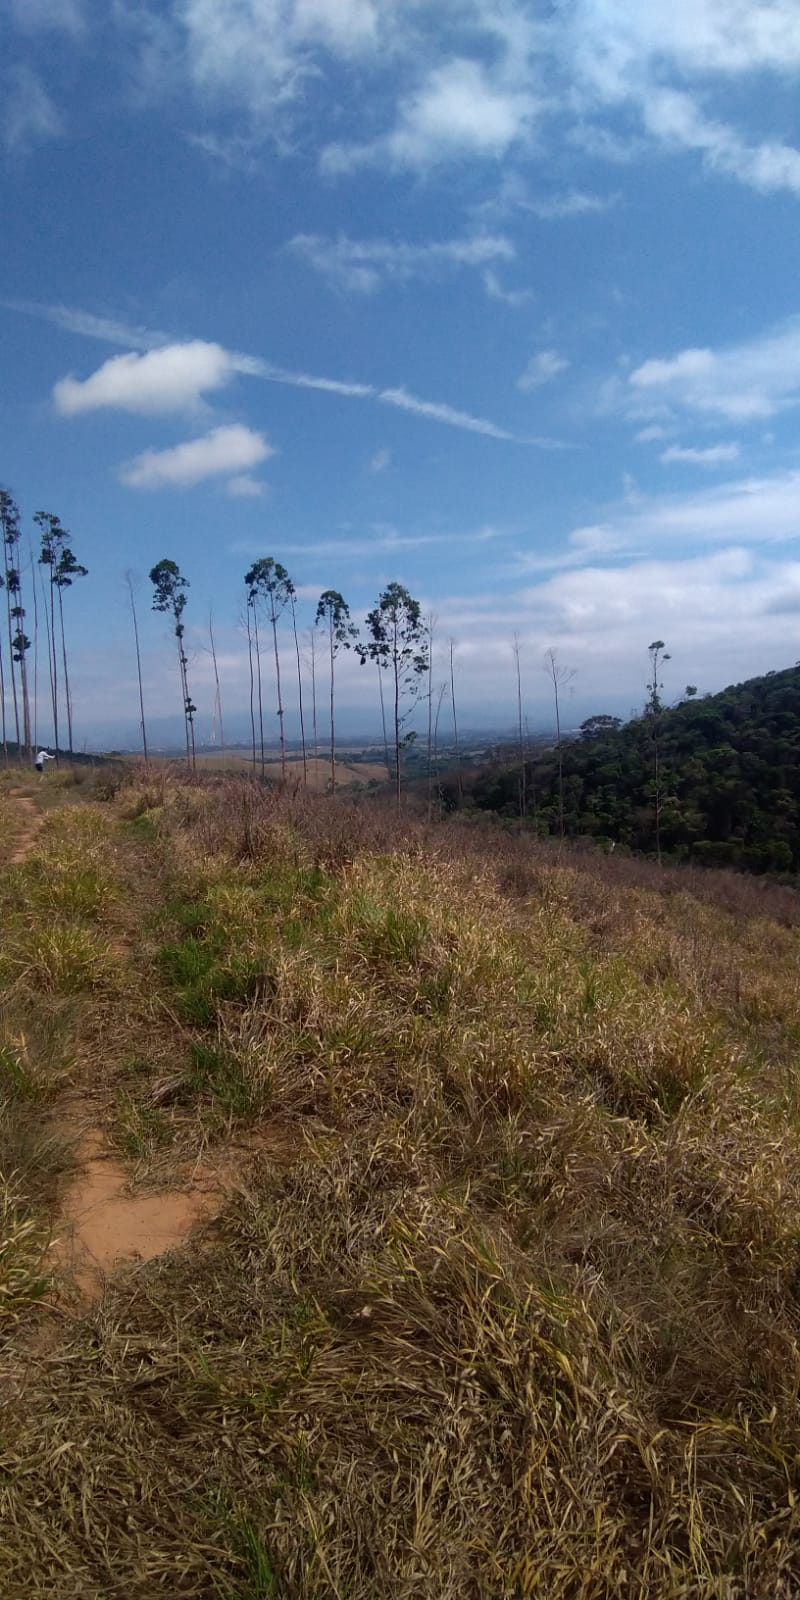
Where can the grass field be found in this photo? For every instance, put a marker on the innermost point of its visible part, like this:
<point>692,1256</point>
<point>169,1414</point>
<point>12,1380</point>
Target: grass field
<point>485,1280</point>
<point>318,769</point>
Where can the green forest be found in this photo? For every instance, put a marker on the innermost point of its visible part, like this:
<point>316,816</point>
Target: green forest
<point>714,780</point>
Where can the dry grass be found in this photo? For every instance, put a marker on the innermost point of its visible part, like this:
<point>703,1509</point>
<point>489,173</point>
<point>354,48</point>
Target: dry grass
<point>517,1315</point>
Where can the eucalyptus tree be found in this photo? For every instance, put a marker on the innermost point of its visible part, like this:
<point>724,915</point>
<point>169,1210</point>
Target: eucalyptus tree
<point>269,583</point>
<point>169,595</point>
<point>333,614</point>
<point>293,605</point>
<point>654,707</point>
<point>399,644</point>
<point>561,676</point>
<point>455,719</point>
<point>57,555</point>
<point>3,694</point>
<point>312,640</point>
<point>132,600</point>
<point>18,641</point>
<point>523,798</point>
<point>217,694</point>
<point>254,638</point>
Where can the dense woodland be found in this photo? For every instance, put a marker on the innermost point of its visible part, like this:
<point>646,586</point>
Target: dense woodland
<point>714,780</point>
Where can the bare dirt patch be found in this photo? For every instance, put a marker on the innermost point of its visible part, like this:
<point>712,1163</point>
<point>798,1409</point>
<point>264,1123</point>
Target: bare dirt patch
<point>105,1225</point>
<point>31,823</point>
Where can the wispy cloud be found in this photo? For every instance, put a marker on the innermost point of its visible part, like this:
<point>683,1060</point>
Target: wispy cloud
<point>362,265</point>
<point>743,382</point>
<point>90,324</point>
<point>176,376</point>
<point>28,116</point>
<point>711,456</point>
<point>541,368</point>
<point>572,203</point>
<point>224,450</point>
<point>380,461</point>
<point>243,487</point>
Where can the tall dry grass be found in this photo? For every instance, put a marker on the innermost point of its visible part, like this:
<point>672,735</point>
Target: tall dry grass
<point>509,1303</point>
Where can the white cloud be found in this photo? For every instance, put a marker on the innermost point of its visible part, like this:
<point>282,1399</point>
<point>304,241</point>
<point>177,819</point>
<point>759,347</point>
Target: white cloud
<point>624,51</point>
<point>363,264</point>
<point>541,368</point>
<point>458,112</point>
<point>651,434</point>
<point>745,382</point>
<point>164,379</point>
<point>749,510</point>
<point>90,324</point>
<point>261,52</point>
<point>172,378</point>
<point>243,487</point>
<point>380,461</point>
<point>711,456</point>
<point>28,116</point>
<point>442,413</point>
<point>223,450</point>
<point>573,203</point>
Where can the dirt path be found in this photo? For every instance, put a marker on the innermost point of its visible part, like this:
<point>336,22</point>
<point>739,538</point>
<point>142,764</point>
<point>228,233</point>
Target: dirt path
<point>32,822</point>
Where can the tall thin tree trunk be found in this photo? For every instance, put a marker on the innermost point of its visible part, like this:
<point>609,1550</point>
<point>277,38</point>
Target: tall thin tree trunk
<point>313,638</point>
<point>3,705</point>
<point>67,694</point>
<point>252,683</point>
<point>274,621</point>
<point>185,693</point>
<point>35,649</point>
<point>455,723</point>
<point>333,735</point>
<point>431,625</point>
<point>383,723</point>
<point>396,665</point>
<point>523,799</point>
<point>216,681</point>
<point>260,690</point>
<point>300,692</point>
<point>12,663</point>
<point>54,676</point>
<point>560,761</point>
<point>442,693</point>
<point>142,724</point>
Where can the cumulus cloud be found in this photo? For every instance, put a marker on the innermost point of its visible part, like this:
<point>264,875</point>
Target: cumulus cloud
<point>541,368</point>
<point>172,378</point>
<point>363,265</point>
<point>458,111</point>
<point>231,449</point>
<point>743,382</point>
<point>28,116</point>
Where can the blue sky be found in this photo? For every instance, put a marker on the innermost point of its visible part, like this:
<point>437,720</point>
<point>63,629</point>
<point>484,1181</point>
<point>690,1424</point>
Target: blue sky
<point>495,298</point>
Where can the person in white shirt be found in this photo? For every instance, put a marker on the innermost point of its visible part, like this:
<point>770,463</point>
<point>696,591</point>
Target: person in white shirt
<point>41,757</point>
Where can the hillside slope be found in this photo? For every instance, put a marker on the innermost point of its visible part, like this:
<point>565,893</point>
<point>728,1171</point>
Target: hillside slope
<point>729,779</point>
<point>502,1293</point>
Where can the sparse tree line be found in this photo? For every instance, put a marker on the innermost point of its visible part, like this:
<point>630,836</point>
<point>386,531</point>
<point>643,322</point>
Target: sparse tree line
<point>397,641</point>
<point>34,585</point>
